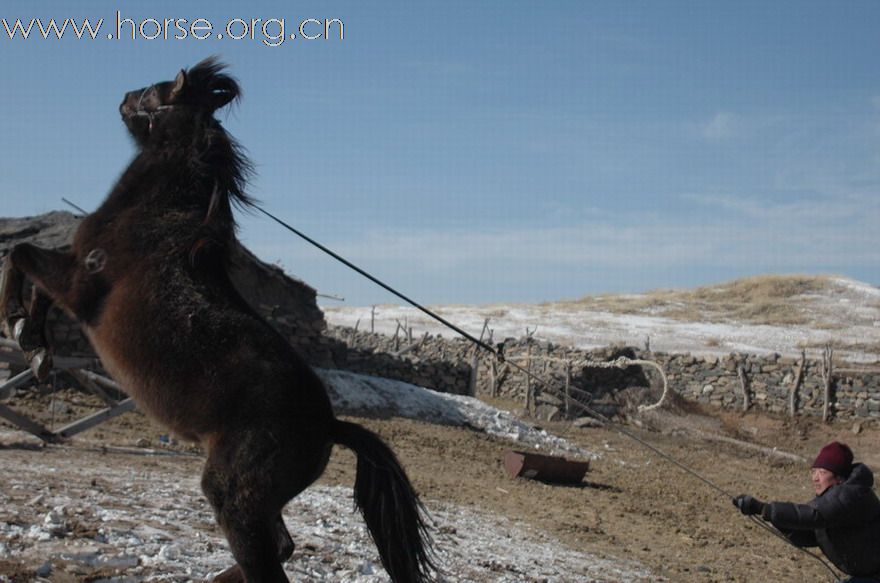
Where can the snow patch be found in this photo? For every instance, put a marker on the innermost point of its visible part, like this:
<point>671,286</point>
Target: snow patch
<point>356,394</point>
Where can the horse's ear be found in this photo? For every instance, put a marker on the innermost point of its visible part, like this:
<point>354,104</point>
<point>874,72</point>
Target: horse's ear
<point>179,84</point>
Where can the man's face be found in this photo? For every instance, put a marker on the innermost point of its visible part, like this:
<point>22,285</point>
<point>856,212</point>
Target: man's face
<point>823,479</point>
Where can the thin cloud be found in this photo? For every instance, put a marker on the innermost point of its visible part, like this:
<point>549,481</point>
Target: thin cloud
<point>723,125</point>
<point>592,245</point>
<point>818,210</point>
<point>551,263</point>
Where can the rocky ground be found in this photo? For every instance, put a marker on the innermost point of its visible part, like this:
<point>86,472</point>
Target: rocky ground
<point>121,503</point>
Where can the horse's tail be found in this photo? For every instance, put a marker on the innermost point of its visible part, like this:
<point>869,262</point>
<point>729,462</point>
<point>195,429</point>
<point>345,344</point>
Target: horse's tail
<point>390,506</point>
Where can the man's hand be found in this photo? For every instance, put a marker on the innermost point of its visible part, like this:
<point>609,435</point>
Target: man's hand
<point>748,505</point>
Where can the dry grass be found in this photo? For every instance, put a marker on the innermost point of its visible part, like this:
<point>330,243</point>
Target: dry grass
<point>839,345</point>
<point>767,299</point>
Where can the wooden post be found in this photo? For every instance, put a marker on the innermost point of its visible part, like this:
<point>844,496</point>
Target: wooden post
<point>744,386</point>
<point>567,387</point>
<point>396,332</point>
<point>827,377</point>
<point>475,361</point>
<point>528,377</point>
<point>373,319</point>
<point>354,331</point>
<point>475,367</point>
<point>529,368</point>
<point>500,377</point>
<point>796,385</point>
<point>493,371</point>
<point>411,347</point>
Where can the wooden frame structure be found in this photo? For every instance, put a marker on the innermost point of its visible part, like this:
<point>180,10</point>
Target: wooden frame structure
<point>11,353</point>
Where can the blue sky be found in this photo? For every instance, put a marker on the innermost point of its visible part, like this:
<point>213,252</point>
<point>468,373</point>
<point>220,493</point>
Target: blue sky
<point>477,152</point>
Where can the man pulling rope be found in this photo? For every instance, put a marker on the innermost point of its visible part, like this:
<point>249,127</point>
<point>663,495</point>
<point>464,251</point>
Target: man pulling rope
<point>843,519</point>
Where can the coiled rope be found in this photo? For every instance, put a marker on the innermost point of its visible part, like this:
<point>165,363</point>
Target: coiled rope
<point>619,362</point>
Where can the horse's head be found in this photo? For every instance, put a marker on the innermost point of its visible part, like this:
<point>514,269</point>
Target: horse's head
<point>196,93</point>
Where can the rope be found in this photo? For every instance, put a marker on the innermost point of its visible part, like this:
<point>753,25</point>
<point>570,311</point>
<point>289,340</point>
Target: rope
<point>585,408</point>
<point>381,284</point>
<point>760,523</point>
<point>620,362</point>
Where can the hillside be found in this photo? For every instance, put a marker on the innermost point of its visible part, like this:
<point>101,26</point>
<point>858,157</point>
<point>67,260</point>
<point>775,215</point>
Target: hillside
<point>778,313</point>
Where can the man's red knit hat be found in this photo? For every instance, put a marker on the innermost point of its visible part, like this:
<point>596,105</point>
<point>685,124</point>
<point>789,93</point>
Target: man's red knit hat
<point>835,457</point>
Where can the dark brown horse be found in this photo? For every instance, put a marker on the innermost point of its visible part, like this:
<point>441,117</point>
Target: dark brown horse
<point>147,279</point>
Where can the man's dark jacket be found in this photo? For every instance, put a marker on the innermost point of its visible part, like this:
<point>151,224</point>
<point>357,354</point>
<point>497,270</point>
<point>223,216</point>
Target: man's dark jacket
<point>843,521</point>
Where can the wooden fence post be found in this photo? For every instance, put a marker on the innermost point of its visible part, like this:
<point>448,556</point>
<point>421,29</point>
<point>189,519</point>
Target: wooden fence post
<point>796,385</point>
<point>529,368</point>
<point>475,361</point>
<point>744,387</point>
<point>567,387</point>
<point>528,399</point>
<point>354,332</point>
<point>493,373</point>
<point>827,377</point>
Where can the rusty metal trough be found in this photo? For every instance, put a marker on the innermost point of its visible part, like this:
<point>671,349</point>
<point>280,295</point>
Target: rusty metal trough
<point>544,468</point>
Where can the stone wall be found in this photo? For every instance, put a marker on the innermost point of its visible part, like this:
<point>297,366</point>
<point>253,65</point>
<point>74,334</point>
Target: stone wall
<point>855,390</point>
<point>711,380</point>
<point>432,362</point>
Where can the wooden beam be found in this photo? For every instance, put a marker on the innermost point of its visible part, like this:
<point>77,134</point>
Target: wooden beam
<point>21,379</point>
<point>81,425</point>
<point>26,424</point>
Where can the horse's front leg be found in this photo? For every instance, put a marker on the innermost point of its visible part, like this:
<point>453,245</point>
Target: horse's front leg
<point>51,272</point>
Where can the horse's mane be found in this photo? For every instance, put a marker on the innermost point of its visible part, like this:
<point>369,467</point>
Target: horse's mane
<point>208,85</point>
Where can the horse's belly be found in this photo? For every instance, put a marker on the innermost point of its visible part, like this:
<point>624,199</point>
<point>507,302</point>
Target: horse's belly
<point>154,395</point>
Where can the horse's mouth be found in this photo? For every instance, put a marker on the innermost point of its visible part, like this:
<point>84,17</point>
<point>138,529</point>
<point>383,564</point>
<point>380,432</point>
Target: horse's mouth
<point>129,112</point>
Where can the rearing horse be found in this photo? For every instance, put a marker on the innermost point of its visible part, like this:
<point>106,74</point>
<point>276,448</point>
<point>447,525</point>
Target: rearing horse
<point>147,278</point>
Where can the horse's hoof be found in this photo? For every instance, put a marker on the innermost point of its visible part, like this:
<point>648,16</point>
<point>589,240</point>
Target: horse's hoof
<point>26,334</point>
<point>231,575</point>
<point>41,363</point>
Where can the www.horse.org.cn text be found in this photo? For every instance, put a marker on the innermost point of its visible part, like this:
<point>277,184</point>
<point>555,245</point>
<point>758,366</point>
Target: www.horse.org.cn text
<point>272,32</point>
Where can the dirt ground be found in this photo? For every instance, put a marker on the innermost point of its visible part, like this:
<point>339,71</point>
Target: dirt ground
<point>632,505</point>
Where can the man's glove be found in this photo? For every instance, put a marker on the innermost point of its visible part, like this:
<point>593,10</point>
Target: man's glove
<point>748,505</point>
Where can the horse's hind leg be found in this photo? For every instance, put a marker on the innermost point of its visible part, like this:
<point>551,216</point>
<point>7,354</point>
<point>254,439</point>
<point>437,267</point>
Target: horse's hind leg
<point>237,490</point>
<point>51,271</point>
<point>25,325</point>
<point>11,302</point>
<point>31,334</point>
<point>284,547</point>
<point>283,543</point>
